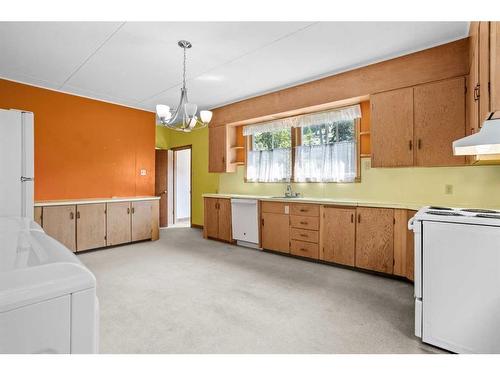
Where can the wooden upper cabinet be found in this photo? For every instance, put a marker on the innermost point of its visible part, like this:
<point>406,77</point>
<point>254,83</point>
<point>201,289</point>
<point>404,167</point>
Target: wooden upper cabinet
<point>484,70</point>
<point>375,239</point>
<point>495,66</point>
<point>90,226</point>
<point>217,149</point>
<point>392,128</point>
<point>211,218</point>
<point>119,224</point>
<point>275,231</point>
<point>224,220</point>
<point>439,110</point>
<point>141,220</point>
<point>338,229</point>
<point>59,223</point>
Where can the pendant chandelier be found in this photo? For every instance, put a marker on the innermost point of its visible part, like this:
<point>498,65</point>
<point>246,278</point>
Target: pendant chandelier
<point>183,118</point>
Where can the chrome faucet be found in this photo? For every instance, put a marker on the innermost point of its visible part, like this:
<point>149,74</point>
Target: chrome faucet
<point>289,193</point>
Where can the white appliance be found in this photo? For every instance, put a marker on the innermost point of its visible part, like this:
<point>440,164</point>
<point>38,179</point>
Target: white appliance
<point>48,298</point>
<point>457,278</point>
<point>16,163</point>
<point>245,222</point>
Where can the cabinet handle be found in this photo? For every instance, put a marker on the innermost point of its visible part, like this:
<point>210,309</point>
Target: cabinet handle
<point>303,210</point>
<point>304,235</point>
<point>77,214</point>
<point>419,143</point>
<point>359,218</point>
<point>128,210</point>
<point>476,92</point>
<point>410,144</point>
<point>302,249</point>
<point>303,222</point>
<point>71,215</point>
<point>352,218</point>
<point>223,159</point>
<point>133,210</point>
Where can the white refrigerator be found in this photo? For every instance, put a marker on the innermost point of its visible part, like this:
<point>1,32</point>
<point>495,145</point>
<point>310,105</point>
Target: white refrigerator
<point>16,163</point>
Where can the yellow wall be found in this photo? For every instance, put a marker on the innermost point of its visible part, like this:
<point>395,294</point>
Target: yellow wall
<point>202,181</point>
<point>472,186</point>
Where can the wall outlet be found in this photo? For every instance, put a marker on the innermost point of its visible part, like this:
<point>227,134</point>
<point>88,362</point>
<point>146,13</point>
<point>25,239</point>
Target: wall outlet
<point>448,189</point>
<point>143,172</point>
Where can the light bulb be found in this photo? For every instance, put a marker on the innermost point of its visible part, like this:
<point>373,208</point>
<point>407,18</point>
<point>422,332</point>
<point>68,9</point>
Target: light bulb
<point>190,109</point>
<point>206,116</point>
<point>163,111</point>
<point>193,122</point>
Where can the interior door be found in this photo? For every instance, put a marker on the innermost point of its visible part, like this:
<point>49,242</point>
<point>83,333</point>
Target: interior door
<point>339,235</point>
<point>90,226</point>
<point>225,220</point>
<point>59,223</point>
<point>375,239</point>
<point>439,120</point>
<point>392,128</point>
<point>118,223</point>
<point>161,173</point>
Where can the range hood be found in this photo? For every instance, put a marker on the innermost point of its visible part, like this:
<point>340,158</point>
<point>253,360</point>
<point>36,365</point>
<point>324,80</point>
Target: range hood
<point>485,142</point>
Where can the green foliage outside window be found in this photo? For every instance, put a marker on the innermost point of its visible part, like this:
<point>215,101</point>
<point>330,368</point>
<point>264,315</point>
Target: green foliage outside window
<point>328,133</point>
<point>272,140</point>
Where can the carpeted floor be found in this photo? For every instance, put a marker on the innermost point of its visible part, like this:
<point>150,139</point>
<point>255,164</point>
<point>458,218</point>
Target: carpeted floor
<point>184,294</point>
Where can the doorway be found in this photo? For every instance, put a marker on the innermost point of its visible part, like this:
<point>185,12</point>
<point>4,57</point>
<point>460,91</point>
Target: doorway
<point>182,172</point>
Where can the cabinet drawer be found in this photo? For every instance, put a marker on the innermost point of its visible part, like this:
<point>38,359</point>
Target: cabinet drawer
<point>304,249</point>
<point>305,209</point>
<point>305,235</point>
<point>304,222</point>
<point>275,208</point>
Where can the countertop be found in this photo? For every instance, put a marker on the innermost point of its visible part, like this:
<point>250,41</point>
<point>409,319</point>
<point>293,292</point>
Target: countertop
<point>333,201</point>
<point>92,200</point>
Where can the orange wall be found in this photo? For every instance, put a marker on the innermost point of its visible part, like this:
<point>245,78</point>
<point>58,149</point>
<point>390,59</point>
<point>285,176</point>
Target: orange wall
<point>85,148</point>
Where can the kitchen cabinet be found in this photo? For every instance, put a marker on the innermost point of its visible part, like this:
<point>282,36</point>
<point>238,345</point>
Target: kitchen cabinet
<point>275,226</point>
<point>375,239</point>
<point>141,220</point>
<point>392,128</point>
<point>59,223</point>
<point>304,249</point>
<point>217,149</point>
<point>217,219</point>
<point>403,244</point>
<point>90,226</point>
<point>338,235</point>
<point>304,230</point>
<point>118,223</point>
<point>494,66</point>
<point>37,215</point>
<point>439,119</point>
<point>416,126</point>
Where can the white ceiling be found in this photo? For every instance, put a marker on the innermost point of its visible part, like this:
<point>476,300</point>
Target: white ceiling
<point>139,63</point>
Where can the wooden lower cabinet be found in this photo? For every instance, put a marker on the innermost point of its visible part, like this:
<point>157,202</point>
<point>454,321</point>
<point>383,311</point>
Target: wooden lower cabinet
<point>59,223</point>
<point>37,213</point>
<point>90,226</point>
<point>118,223</point>
<point>375,239</point>
<point>275,231</point>
<point>304,249</point>
<point>338,232</point>
<point>217,219</point>
<point>141,220</point>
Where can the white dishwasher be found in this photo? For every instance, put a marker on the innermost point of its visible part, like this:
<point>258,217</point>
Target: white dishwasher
<point>245,221</point>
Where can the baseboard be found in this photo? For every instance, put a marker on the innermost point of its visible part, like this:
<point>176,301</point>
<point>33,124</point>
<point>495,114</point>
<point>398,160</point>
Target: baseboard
<point>196,226</point>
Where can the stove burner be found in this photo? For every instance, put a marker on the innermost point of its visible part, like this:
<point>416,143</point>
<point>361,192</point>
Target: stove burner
<point>440,208</point>
<point>445,213</point>
<point>479,211</point>
<point>488,216</point>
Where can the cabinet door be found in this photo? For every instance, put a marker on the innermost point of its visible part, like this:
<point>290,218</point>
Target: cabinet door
<point>119,223</point>
<point>338,235</point>
<point>439,120</point>
<point>141,220</point>
<point>275,232</point>
<point>37,213</point>
<point>90,226</point>
<point>392,128</point>
<point>375,239</point>
<point>495,66</point>
<point>59,223</point>
<point>410,249</point>
<point>217,149</point>
<point>225,227</point>
<point>211,218</point>
<point>473,81</point>
<point>484,70</point>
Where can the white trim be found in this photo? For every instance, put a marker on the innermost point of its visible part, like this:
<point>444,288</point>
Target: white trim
<point>74,94</point>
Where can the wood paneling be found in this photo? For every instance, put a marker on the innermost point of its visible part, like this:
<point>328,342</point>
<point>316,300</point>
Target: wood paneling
<point>225,232</point>
<point>375,239</point>
<point>445,61</point>
<point>90,226</point>
<point>275,232</point>
<point>305,209</point>
<point>338,228</point>
<point>304,249</point>
<point>211,218</point>
<point>217,150</point>
<point>118,223</point>
<point>439,110</point>
<point>59,223</point>
<point>304,235</point>
<point>275,207</point>
<point>392,128</point>
<point>304,222</point>
<point>141,220</point>
<point>161,173</point>
<point>37,212</point>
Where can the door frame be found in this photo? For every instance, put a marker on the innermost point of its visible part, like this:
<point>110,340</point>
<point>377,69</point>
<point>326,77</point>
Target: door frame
<point>180,148</point>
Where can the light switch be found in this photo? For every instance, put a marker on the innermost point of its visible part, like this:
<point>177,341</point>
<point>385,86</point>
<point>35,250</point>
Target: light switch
<point>143,172</point>
<point>287,210</point>
<point>448,189</point>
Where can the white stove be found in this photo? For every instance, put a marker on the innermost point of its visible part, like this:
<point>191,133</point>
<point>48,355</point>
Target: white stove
<point>457,278</point>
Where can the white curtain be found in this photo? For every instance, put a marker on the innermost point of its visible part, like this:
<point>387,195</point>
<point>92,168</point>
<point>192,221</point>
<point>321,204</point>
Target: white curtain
<point>269,166</point>
<point>326,163</point>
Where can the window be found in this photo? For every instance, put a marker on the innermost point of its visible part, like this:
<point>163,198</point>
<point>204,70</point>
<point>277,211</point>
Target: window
<point>323,144</point>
